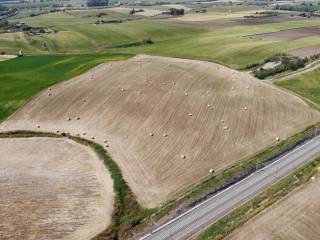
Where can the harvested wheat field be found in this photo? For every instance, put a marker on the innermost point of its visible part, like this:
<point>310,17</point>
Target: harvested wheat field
<point>52,189</point>
<point>295,217</point>
<point>167,121</point>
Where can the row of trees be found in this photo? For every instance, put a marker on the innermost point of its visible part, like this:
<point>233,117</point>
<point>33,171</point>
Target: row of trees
<point>176,12</point>
<point>287,64</point>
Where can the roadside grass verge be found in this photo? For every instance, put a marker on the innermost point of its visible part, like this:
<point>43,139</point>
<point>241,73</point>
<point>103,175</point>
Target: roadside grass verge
<point>127,211</point>
<point>24,77</point>
<point>240,216</point>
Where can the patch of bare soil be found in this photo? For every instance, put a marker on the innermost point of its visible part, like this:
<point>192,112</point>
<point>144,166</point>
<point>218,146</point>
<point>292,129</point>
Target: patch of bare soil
<point>52,189</point>
<point>289,34</point>
<point>6,57</point>
<point>167,121</point>
<point>295,217</point>
<point>306,52</point>
<point>266,20</point>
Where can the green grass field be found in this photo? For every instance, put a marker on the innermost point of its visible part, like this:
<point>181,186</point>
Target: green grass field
<point>22,78</point>
<point>307,85</point>
<point>230,46</point>
<point>78,34</point>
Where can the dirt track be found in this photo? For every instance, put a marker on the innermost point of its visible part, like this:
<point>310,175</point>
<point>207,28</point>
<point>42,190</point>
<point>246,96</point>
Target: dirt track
<point>201,116</point>
<point>295,217</point>
<point>52,189</point>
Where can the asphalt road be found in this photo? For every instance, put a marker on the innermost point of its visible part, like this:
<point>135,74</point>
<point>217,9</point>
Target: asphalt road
<point>206,213</point>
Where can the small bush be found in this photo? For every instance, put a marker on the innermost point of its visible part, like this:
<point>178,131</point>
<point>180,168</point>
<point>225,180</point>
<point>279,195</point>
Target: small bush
<point>147,40</point>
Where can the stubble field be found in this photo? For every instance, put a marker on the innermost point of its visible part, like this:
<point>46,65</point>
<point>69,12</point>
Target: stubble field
<point>52,189</point>
<point>167,121</point>
<point>295,217</point>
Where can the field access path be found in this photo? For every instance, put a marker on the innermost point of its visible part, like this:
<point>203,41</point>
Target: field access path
<point>309,68</point>
<point>206,213</point>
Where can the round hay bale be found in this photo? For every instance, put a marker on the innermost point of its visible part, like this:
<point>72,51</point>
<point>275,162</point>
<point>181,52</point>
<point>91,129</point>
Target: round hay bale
<point>247,87</point>
<point>225,128</point>
<point>92,137</point>
<point>165,135</point>
<point>139,92</point>
<point>186,94</point>
<point>83,100</point>
<point>208,105</point>
<point>68,119</point>
<point>246,108</point>
<point>84,133</point>
<point>211,171</point>
<point>57,131</point>
<point>78,118</point>
<point>190,114</point>
<point>151,134</point>
<point>38,126</point>
<point>49,94</point>
<point>105,141</point>
<point>106,145</point>
<point>222,120</point>
<point>49,89</point>
<point>183,156</point>
<point>277,139</point>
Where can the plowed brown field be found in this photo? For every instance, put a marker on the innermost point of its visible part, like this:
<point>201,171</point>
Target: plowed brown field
<point>290,34</point>
<point>167,121</point>
<point>52,189</point>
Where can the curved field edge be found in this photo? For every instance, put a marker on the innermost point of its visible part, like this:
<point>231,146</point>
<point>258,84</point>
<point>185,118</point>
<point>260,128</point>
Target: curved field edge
<point>129,216</point>
<point>127,211</point>
<point>277,192</point>
<point>24,77</point>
